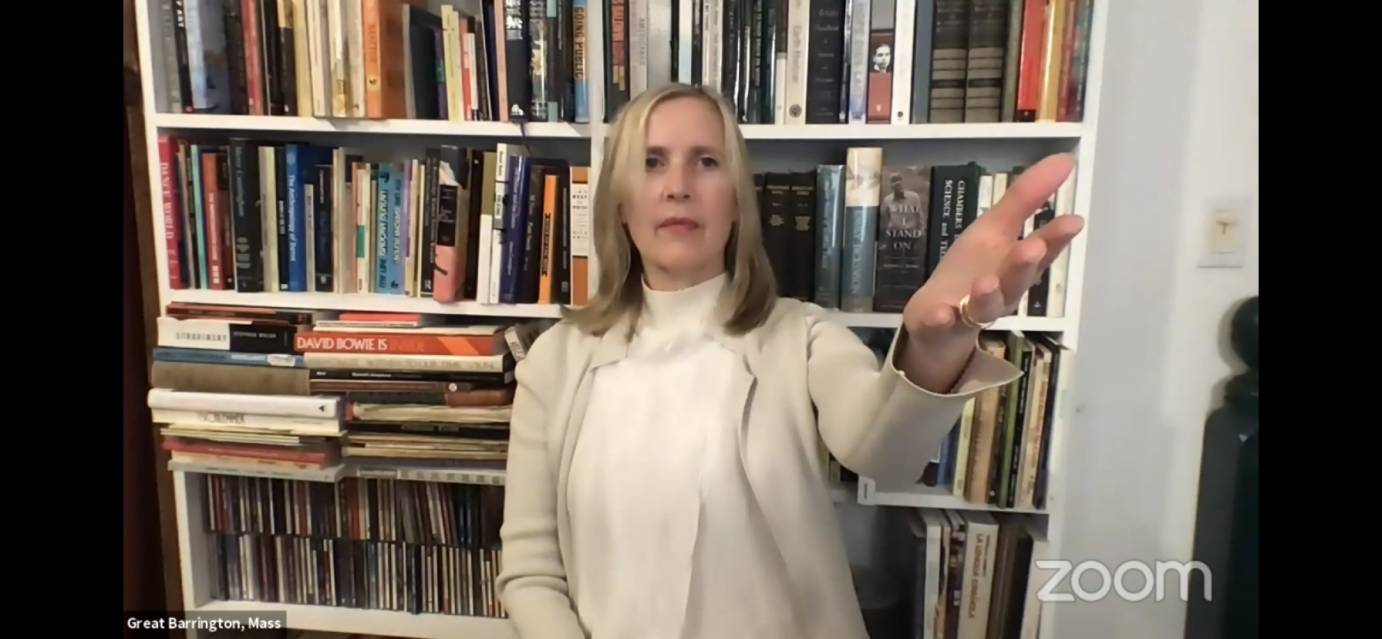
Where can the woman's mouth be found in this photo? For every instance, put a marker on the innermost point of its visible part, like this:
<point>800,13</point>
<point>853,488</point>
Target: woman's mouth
<point>679,224</point>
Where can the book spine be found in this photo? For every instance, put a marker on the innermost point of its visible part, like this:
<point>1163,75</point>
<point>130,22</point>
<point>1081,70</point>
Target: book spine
<point>881,44</point>
<point>904,39</point>
<point>172,214</point>
<point>863,167</point>
<point>324,237</point>
<point>216,209</point>
<point>398,237</point>
<point>684,15</point>
<point>698,42</point>
<point>830,202</point>
<point>514,226</point>
<point>1051,60</point>
<point>355,58</point>
<point>170,99</point>
<point>196,194</point>
<point>801,243</point>
<point>1079,66</point>
<point>777,210</point>
<point>953,203</point>
<point>398,343</point>
<point>518,59</point>
<point>922,32</point>
<point>409,363</point>
<point>267,14</point>
<point>984,66</point>
<point>527,269</point>
<point>268,217</point>
<point>1012,55</point>
<point>636,21</point>
<point>579,76</point>
<point>446,287</point>
<point>201,356</point>
<point>380,222</point>
<point>340,65</point>
<point>540,40</point>
<point>317,61</point>
<point>580,235</point>
<point>224,336</point>
<point>428,225</point>
<point>207,64</point>
<point>180,55</point>
<point>949,59</point>
<point>253,54</point>
<point>658,36</point>
<point>249,240</point>
<point>372,17</point>
<point>470,241</point>
<point>297,159</point>
<point>1029,78</point>
<point>712,31</point>
<point>564,62</point>
<point>235,56</point>
<point>902,241</point>
<point>321,408</point>
<point>561,238</point>
<point>730,53</point>
<point>287,58</point>
<point>859,49</point>
<point>617,57</point>
<point>825,48</point>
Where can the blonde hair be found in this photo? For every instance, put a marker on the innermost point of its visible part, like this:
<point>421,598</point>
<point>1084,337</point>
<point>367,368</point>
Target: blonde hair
<point>752,289</point>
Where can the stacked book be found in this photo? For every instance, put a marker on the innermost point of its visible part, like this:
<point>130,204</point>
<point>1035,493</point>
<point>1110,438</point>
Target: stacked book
<point>414,390</point>
<point>975,574</point>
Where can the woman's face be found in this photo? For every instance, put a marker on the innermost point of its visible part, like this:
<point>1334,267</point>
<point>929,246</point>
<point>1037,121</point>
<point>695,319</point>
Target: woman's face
<point>682,210</point>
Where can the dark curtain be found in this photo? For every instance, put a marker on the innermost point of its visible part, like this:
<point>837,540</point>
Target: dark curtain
<point>143,558</point>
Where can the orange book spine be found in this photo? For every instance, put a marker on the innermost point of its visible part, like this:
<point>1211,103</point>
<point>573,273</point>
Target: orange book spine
<point>467,100</point>
<point>211,202</point>
<point>549,240</point>
<point>1067,55</point>
<point>179,445</point>
<point>249,16</point>
<point>579,230</point>
<point>1029,78</point>
<point>397,343</point>
<point>373,50</point>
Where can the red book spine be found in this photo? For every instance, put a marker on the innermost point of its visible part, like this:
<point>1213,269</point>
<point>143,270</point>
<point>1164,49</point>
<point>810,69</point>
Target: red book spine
<point>467,101</point>
<point>254,79</point>
<point>1066,56</point>
<point>1029,75</point>
<point>172,211</point>
<point>395,343</point>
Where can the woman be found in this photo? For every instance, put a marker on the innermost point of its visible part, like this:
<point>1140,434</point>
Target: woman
<point>664,477</point>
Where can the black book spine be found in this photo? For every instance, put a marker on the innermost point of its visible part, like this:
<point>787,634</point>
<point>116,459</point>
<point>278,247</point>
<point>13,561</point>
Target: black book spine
<point>564,71</point>
<point>562,278</point>
<point>729,72</point>
<point>422,29</point>
<point>517,59</point>
<point>322,236</point>
<point>801,242</point>
<point>767,51</point>
<point>1053,379</point>
<point>189,218</point>
<point>746,40</point>
<point>491,60</point>
<point>954,204</point>
<point>269,56</point>
<point>281,216</point>
<point>825,48</point>
<point>697,11</point>
<point>472,247</point>
<point>902,237</point>
<point>180,38</point>
<point>1008,490</point>
<point>529,272</point>
<point>261,338</point>
<point>227,213</point>
<point>235,52</point>
<point>431,234</point>
<point>616,34</point>
<point>540,42</point>
<point>753,97</point>
<point>676,39</point>
<point>777,234</point>
<point>1036,296</point>
<point>493,379</point>
<point>287,63</point>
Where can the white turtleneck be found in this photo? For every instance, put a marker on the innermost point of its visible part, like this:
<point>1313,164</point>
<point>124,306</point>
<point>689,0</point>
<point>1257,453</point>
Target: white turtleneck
<point>668,541</point>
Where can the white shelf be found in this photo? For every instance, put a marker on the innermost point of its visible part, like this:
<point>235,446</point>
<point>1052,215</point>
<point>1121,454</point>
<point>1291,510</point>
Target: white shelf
<point>925,497</point>
<point>363,302</point>
<point>215,122</point>
<point>373,622</point>
<point>959,131</point>
<point>893,320</point>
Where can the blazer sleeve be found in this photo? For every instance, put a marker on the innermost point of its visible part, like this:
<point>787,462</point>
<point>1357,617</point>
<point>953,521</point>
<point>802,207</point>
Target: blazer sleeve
<point>876,421</point>
<point>532,583</point>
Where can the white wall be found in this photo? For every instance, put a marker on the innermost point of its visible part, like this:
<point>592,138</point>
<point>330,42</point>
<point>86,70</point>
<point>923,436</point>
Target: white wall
<point>1178,132</point>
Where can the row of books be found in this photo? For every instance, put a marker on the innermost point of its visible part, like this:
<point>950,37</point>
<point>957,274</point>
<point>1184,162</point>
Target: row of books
<point>455,224</point>
<point>857,61</point>
<point>865,235</point>
<point>495,60</point>
<point>998,452</point>
<point>974,574</point>
<point>420,547</point>
<point>279,392</point>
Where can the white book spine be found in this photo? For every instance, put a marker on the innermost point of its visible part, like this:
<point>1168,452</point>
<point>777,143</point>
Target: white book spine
<point>315,55</point>
<point>712,41</point>
<point>904,41</point>
<point>638,47</point>
<point>659,42</point>
<point>482,259</point>
<point>201,334</point>
<point>342,225</point>
<point>934,549</point>
<point>364,249</point>
<point>355,55</point>
<point>958,485</point>
<point>471,78</point>
<point>452,63</point>
<point>580,220</point>
<point>268,216</point>
<point>684,35</point>
<point>245,420</point>
<point>340,63</point>
<point>798,36</point>
<point>302,57</point>
<point>1037,578</point>
<point>1059,273</point>
<point>859,61</point>
<point>321,407</point>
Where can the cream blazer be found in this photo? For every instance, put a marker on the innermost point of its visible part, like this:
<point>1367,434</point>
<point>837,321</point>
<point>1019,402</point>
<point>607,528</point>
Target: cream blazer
<point>804,377</point>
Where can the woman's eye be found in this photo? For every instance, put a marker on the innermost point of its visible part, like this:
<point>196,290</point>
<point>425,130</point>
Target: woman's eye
<point>709,162</point>
<point>652,162</point>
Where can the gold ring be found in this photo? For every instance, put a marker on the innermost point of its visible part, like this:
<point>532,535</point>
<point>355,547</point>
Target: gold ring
<point>965,317</point>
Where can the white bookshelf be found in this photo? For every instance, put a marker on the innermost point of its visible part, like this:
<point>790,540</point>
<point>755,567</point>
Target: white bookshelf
<point>997,146</point>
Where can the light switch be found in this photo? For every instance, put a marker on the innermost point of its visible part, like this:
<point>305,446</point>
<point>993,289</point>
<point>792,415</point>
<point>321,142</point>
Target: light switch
<point>1225,237</point>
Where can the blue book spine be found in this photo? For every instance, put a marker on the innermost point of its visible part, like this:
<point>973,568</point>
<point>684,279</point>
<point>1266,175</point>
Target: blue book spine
<point>398,237</point>
<point>297,159</point>
<point>201,356</point>
<point>514,219</point>
<point>580,13</point>
<point>381,230</point>
<point>196,162</point>
<point>830,204</point>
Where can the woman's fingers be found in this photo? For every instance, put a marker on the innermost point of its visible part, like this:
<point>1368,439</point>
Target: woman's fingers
<point>1028,192</point>
<point>986,302</point>
<point>1021,268</point>
<point>1057,235</point>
